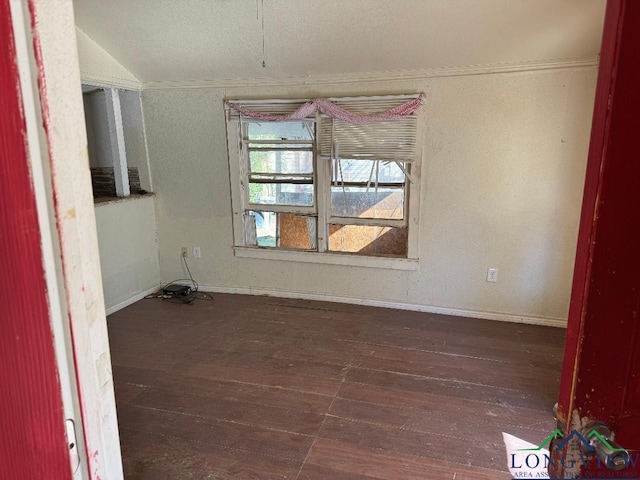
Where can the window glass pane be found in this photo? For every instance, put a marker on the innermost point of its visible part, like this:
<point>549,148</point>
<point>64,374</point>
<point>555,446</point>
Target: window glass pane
<point>285,230</point>
<point>266,228</point>
<point>281,146</point>
<point>364,171</point>
<point>281,161</point>
<point>281,130</point>
<point>281,194</point>
<point>362,202</point>
<point>368,240</point>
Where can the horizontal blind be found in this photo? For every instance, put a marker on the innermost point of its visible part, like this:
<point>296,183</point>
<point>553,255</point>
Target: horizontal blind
<point>274,107</point>
<point>389,140</point>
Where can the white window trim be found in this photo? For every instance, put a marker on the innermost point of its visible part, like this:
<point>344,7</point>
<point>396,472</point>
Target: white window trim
<point>240,205</point>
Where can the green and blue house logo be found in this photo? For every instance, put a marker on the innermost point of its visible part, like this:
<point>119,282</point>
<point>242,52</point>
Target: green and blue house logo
<point>531,461</point>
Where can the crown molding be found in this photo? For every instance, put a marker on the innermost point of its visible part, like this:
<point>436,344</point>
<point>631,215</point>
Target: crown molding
<point>104,81</point>
<point>375,77</point>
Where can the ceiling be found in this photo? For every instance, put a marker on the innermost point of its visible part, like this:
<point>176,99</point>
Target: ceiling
<point>191,40</point>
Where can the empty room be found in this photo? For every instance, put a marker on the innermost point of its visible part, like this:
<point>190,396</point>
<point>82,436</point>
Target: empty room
<point>294,239</point>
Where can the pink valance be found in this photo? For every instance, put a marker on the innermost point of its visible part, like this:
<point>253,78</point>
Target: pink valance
<point>329,108</point>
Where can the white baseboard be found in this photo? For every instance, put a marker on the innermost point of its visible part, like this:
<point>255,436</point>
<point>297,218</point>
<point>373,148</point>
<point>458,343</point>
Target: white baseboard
<point>133,299</point>
<point>502,317</point>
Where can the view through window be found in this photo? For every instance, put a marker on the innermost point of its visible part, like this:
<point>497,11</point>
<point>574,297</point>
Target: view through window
<point>295,194</point>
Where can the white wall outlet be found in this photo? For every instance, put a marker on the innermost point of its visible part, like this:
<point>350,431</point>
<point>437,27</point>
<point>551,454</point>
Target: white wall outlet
<point>184,252</point>
<point>196,252</point>
<point>492,275</point>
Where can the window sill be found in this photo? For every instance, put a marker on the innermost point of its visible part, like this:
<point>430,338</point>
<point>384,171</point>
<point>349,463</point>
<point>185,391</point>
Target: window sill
<point>351,260</point>
<point>101,201</point>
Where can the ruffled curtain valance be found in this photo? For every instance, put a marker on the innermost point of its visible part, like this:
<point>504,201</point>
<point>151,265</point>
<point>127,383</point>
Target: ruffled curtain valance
<point>327,107</point>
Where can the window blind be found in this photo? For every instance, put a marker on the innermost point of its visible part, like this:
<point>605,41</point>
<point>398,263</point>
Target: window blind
<point>275,107</point>
<point>390,141</point>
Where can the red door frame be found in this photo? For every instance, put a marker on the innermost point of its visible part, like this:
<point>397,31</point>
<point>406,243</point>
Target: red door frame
<point>33,441</point>
<point>601,371</point>
<point>584,252</point>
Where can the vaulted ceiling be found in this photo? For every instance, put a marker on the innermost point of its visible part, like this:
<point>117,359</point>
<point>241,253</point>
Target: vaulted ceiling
<point>223,39</point>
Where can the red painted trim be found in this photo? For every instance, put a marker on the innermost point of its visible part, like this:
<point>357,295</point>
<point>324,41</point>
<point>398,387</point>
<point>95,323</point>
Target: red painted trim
<point>593,178</point>
<point>32,439</point>
<point>600,380</point>
<point>611,322</point>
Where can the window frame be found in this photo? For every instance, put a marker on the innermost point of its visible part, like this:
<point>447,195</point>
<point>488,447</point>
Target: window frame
<point>324,183</point>
<point>239,182</point>
<point>246,173</point>
<point>374,222</point>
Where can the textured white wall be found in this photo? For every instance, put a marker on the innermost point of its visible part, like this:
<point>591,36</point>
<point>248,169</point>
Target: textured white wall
<point>128,248</point>
<point>502,185</point>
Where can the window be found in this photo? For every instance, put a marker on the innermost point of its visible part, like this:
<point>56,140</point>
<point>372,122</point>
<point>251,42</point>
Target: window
<point>323,185</point>
<point>280,198</point>
<point>367,213</point>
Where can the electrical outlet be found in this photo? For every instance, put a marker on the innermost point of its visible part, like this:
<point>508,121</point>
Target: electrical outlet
<point>492,275</point>
<point>184,252</point>
<point>196,252</point>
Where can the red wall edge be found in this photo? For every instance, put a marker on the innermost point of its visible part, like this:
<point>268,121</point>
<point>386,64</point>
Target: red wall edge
<point>32,442</point>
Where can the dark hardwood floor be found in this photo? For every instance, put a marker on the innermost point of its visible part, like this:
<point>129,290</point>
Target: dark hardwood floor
<point>251,387</point>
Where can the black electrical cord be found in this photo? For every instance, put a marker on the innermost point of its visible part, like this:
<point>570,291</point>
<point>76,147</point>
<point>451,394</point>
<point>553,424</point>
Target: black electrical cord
<point>195,284</point>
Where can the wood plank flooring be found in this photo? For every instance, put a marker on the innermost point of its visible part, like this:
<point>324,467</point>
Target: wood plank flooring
<point>249,387</point>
